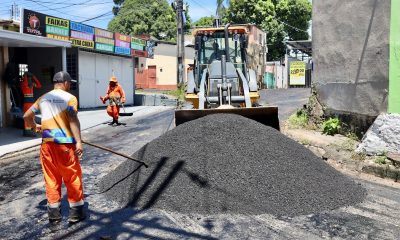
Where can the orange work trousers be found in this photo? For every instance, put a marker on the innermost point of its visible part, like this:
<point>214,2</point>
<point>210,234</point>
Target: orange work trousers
<point>113,111</point>
<point>59,163</point>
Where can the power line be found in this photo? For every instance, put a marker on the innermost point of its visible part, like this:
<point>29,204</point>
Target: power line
<point>99,16</point>
<point>295,28</point>
<point>52,9</point>
<point>201,6</point>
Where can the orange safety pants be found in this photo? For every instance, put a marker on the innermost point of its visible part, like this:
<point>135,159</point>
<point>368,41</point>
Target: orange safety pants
<point>59,163</point>
<point>113,111</point>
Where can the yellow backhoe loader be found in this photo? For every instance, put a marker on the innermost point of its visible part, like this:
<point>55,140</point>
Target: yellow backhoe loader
<point>220,81</point>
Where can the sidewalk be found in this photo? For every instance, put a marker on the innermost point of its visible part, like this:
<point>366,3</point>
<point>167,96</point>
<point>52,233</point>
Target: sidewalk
<point>11,139</point>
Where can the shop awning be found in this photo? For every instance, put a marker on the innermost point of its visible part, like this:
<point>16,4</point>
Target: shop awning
<point>304,46</point>
<point>15,39</point>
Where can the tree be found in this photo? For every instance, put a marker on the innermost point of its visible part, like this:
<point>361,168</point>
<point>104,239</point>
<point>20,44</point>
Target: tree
<point>204,22</point>
<point>271,16</point>
<point>296,13</point>
<point>154,17</point>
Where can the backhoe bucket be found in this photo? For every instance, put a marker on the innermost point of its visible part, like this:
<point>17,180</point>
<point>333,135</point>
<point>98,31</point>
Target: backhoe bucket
<point>265,115</point>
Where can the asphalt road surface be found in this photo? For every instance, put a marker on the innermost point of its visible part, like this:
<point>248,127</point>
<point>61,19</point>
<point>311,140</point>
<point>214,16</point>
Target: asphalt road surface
<point>23,202</point>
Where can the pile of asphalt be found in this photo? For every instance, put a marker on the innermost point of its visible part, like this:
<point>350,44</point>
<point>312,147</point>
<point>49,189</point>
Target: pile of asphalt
<point>228,163</point>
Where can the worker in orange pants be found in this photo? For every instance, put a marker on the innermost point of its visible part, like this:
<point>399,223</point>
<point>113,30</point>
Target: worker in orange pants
<point>28,82</point>
<point>115,96</point>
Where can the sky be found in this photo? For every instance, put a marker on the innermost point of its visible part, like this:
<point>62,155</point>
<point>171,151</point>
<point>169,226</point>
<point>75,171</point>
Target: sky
<point>81,10</point>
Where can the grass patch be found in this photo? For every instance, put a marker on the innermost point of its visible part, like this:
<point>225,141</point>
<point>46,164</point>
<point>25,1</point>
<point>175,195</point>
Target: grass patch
<point>299,119</point>
<point>348,144</point>
<point>304,142</point>
<point>179,93</point>
<point>358,156</point>
<point>381,160</point>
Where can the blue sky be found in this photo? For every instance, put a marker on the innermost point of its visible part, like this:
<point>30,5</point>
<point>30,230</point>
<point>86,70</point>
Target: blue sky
<point>80,10</point>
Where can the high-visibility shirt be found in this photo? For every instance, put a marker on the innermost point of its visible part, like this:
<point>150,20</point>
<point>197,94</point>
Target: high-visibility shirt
<point>54,107</point>
<point>28,82</point>
<point>115,95</point>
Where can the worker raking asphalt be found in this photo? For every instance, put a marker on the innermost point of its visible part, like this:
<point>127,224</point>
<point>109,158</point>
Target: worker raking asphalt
<point>226,163</point>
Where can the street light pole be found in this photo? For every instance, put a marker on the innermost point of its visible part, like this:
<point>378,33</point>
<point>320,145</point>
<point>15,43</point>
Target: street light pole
<point>180,42</point>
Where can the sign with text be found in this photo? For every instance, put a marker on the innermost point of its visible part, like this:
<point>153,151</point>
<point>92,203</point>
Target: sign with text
<point>104,47</point>
<point>103,33</point>
<point>138,53</point>
<point>123,44</point>
<point>121,37</point>
<point>81,35</point>
<point>63,38</point>
<point>79,27</point>
<point>82,43</point>
<point>122,50</point>
<point>57,31</point>
<point>104,40</point>
<point>138,44</point>
<point>297,73</point>
<point>33,23</point>
<point>57,22</point>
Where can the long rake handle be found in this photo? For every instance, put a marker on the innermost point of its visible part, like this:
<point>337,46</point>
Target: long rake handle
<point>114,152</point>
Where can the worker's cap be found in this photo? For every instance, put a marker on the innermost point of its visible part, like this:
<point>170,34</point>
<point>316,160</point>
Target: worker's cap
<point>113,79</point>
<point>61,77</point>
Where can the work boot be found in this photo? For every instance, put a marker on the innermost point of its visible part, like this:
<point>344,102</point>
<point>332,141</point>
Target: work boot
<point>76,214</point>
<point>54,214</point>
<point>112,123</point>
<point>117,123</point>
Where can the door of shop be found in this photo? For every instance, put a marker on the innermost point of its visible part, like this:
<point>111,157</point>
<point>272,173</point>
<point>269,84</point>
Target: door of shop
<point>94,72</point>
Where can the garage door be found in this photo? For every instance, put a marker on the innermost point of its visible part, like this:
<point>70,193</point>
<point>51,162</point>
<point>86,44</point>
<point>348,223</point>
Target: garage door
<point>94,72</point>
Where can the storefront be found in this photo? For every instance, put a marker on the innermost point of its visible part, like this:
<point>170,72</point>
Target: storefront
<point>22,52</point>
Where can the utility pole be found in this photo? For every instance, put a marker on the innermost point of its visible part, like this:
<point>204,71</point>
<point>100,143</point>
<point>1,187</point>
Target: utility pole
<point>180,42</point>
<point>14,12</point>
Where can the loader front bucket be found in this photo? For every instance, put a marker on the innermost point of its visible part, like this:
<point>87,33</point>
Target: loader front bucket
<point>265,115</point>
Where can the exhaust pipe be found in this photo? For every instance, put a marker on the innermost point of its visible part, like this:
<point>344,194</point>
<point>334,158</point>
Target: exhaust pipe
<point>228,59</point>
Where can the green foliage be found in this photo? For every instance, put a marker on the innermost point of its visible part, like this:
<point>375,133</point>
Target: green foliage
<point>154,17</point>
<point>204,22</point>
<point>270,15</point>
<point>331,126</point>
<point>299,119</point>
<point>358,156</point>
<point>179,93</point>
<point>381,159</point>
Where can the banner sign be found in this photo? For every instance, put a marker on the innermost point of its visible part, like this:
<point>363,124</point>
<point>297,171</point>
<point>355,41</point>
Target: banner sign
<point>57,22</point>
<point>84,36</point>
<point>137,53</point>
<point>104,47</point>
<point>104,33</point>
<point>82,28</point>
<point>81,35</point>
<point>122,50</point>
<point>122,37</point>
<point>33,23</point>
<point>123,44</point>
<point>297,73</point>
<point>63,38</point>
<point>82,43</point>
<point>138,44</point>
<point>104,40</point>
<point>57,31</point>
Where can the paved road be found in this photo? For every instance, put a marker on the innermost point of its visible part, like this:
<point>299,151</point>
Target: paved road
<point>23,203</point>
<point>287,100</point>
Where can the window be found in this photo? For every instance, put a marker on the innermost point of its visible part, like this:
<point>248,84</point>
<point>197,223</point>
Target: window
<point>72,69</point>
<point>23,68</point>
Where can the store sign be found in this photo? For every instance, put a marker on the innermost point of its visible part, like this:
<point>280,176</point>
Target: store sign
<point>104,40</point>
<point>297,73</point>
<point>121,37</point>
<point>33,23</point>
<point>79,27</point>
<point>138,44</point>
<point>63,38</point>
<point>104,47</point>
<point>122,50</point>
<point>137,53</point>
<point>104,33</point>
<point>57,31</point>
<point>57,22</point>
<point>82,43</point>
<point>120,43</point>
<point>81,35</point>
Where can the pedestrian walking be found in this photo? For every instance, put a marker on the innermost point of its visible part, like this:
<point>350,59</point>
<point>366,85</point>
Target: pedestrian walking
<point>28,82</point>
<point>115,96</point>
<point>61,148</point>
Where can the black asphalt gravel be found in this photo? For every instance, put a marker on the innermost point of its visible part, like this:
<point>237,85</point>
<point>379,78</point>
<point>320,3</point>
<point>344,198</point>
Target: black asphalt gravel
<point>226,163</point>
